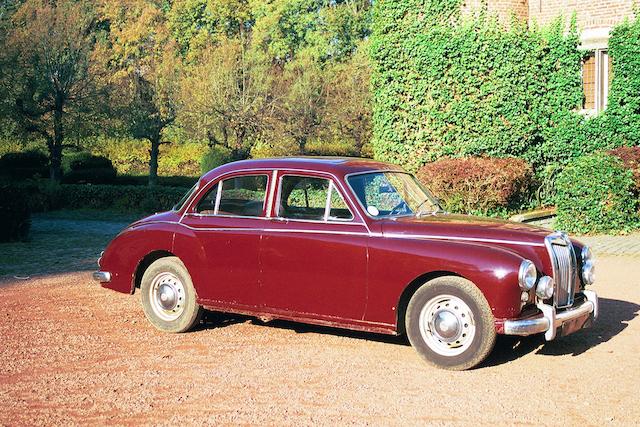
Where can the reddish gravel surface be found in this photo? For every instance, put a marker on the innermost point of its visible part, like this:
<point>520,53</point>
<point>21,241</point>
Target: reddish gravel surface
<point>74,353</point>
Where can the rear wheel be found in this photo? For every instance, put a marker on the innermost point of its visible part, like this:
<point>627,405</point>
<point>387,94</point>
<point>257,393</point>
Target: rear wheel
<point>168,296</point>
<point>449,323</point>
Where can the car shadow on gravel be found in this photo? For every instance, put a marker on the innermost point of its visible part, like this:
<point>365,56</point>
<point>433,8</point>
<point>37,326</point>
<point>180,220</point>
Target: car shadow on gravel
<point>614,317</point>
<point>213,319</point>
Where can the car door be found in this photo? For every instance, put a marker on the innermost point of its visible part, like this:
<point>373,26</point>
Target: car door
<point>227,221</point>
<point>314,251</point>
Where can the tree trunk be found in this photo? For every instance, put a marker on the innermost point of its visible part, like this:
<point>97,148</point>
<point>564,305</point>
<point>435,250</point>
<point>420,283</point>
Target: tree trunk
<point>55,147</point>
<point>153,161</point>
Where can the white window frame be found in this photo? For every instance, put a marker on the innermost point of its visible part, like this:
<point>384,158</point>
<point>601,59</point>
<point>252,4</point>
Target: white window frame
<point>601,89</point>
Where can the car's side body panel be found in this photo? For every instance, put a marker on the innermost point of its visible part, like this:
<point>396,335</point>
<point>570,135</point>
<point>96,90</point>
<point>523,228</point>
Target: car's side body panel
<point>349,274</point>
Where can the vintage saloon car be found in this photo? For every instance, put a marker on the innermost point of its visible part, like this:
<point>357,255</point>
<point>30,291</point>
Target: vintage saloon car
<point>356,244</point>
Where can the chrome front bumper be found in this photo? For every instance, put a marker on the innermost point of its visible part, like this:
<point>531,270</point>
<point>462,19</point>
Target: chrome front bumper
<point>550,320</point>
<point>102,276</point>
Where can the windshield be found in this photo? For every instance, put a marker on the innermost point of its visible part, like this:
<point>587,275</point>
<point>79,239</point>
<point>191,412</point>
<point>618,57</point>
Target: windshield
<point>184,198</point>
<point>392,194</point>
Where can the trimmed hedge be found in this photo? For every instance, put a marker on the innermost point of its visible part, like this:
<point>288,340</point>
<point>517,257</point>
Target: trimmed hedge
<point>26,164</point>
<point>86,168</point>
<point>15,213</point>
<point>596,194</point>
<point>479,185</point>
<point>45,196</point>
<point>125,198</point>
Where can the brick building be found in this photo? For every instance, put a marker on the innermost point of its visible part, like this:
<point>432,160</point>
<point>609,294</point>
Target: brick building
<point>595,19</point>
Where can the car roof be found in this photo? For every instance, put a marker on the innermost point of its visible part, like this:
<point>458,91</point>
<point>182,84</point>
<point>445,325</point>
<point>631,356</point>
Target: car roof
<point>339,166</point>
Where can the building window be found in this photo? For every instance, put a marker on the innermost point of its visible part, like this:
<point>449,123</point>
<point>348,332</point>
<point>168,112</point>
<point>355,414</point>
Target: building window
<point>596,76</point>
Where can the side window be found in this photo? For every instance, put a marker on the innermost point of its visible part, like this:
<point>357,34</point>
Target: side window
<point>207,205</point>
<point>242,196</point>
<point>338,209</point>
<point>303,197</point>
<point>311,199</point>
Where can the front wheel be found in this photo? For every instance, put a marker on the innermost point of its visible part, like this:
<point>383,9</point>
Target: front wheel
<point>449,323</point>
<point>168,296</point>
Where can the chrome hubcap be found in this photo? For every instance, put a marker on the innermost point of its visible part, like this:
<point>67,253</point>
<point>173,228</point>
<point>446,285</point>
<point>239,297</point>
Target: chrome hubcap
<point>447,325</point>
<point>167,296</point>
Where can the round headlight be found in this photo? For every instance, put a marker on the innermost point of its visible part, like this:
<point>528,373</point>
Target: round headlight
<point>588,266</point>
<point>527,275</point>
<point>544,290</point>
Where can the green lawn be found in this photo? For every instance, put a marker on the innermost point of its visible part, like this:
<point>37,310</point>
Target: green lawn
<point>61,241</point>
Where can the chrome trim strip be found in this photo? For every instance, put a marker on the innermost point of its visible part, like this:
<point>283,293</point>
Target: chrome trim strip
<point>101,276</point>
<point>463,239</point>
<point>550,320</point>
<point>388,235</point>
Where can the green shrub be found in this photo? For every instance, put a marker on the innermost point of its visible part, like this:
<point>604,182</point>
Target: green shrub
<point>85,167</point>
<point>122,198</point>
<point>27,164</point>
<point>46,196</point>
<point>630,157</point>
<point>213,158</point>
<point>15,214</point>
<point>479,185</point>
<point>596,194</point>
<point>164,181</point>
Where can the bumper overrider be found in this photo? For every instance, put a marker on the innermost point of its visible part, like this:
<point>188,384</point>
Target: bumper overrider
<point>101,276</point>
<point>569,320</point>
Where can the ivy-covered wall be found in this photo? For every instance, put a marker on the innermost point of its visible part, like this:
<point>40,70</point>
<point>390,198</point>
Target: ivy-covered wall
<point>446,85</point>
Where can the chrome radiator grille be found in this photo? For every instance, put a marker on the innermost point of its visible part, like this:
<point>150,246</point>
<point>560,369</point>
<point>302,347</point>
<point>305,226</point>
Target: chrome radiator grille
<point>563,260</point>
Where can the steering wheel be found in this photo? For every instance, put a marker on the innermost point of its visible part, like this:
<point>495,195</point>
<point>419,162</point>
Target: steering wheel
<point>399,208</point>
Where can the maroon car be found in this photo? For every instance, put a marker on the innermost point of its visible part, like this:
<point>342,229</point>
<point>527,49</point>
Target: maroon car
<point>356,244</point>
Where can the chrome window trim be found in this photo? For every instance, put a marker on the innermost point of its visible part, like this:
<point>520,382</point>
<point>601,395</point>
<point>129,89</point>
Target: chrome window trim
<point>219,196</point>
<point>342,188</point>
<point>355,196</point>
<point>331,183</point>
<point>272,187</point>
<point>197,194</point>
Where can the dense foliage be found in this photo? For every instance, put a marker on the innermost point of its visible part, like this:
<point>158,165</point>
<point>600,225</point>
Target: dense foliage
<point>595,193</point>
<point>15,213</point>
<point>446,85</point>
<point>478,185</point>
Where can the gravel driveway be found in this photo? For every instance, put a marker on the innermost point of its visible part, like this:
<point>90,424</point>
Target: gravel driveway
<point>74,353</point>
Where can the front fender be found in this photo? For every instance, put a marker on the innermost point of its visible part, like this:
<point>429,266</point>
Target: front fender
<point>395,263</point>
<point>127,249</point>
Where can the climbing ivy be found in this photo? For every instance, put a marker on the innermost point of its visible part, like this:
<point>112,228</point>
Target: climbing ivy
<point>451,85</point>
